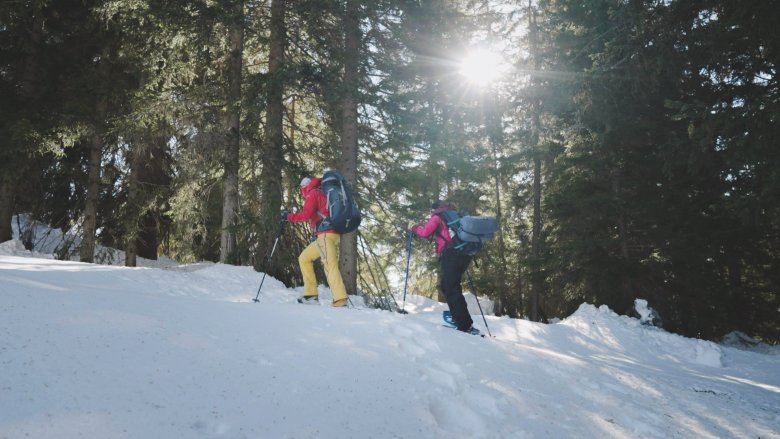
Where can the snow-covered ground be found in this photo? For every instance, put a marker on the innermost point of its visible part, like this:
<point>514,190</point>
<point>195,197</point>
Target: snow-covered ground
<point>97,351</point>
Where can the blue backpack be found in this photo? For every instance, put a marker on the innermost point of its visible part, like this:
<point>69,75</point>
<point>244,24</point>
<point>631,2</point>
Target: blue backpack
<point>344,212</point>
<point>468,232</point>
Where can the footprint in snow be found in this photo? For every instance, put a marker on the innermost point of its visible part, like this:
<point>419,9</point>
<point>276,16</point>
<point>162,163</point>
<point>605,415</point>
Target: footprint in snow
<point>416,340</point>
<point>453,416</point>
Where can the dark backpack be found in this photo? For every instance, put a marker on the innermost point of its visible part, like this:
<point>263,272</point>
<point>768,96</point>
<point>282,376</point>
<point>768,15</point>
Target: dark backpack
<point>468,232</point>
<point>344,212</point>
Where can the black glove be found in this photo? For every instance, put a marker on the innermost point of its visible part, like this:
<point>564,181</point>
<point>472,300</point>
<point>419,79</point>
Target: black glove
<point>284,215</point>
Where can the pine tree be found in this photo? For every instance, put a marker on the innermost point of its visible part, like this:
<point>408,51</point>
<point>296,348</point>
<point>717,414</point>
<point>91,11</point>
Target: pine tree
<point>349,131</point>
<point>273,149</point>
<point>230,203</point>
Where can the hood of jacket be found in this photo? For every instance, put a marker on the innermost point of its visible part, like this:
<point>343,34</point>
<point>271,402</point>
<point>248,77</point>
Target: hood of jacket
<point>313,184</point>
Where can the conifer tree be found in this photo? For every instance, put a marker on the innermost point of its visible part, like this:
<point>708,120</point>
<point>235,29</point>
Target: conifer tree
<point>349,131</point>
<point>234,75</point>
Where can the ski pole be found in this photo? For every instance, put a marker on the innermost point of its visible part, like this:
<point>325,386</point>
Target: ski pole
<point>406,281</point>
<point>273,249</point>
<point>468,276</point>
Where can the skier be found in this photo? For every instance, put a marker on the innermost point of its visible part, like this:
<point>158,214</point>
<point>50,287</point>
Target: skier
<point>453,264</point>
<point>323,245</point>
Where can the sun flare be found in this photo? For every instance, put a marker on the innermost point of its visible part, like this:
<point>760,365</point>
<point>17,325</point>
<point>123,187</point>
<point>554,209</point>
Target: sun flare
<point>480,67</point>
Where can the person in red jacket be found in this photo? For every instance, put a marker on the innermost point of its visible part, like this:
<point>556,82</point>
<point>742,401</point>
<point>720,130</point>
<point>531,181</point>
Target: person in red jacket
<point>453,264</point>
<point>315,208</point>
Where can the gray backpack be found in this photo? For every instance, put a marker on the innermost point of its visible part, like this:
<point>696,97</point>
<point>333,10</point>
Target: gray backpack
<point>469,232</point>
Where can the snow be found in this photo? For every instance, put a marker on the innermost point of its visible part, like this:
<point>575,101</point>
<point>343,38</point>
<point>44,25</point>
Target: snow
<point>646,314</point>
<point>106,351</point>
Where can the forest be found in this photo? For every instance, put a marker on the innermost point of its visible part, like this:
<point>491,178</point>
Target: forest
<point>628,148</point>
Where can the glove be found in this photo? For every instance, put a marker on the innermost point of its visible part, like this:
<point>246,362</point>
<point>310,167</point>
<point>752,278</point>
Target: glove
<point>284,215</point>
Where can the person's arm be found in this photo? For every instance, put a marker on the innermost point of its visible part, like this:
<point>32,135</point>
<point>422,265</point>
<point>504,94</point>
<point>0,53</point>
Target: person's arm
<point>424,231</point>
<point>309,210</point>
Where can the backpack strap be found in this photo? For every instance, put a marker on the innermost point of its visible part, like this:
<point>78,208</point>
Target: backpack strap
<point>319,189</point>
<point>455,242</point>
<point>446,229</point>
<point>455,221</point>
<point>321,215</point>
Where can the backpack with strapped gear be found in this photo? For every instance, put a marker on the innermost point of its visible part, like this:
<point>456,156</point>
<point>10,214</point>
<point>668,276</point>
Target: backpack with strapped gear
<point>344,212</point>
<point>468,232</point>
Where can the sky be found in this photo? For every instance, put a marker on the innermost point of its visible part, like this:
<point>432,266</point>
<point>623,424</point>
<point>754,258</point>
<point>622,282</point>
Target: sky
<point>182,351</point>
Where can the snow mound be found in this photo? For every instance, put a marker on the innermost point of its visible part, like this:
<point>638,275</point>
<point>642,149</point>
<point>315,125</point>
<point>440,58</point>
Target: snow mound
<point>15,247</point>
<point>647,315</point>
<point>742,341</point>
<point>602,325</point>
<point>50,243</point>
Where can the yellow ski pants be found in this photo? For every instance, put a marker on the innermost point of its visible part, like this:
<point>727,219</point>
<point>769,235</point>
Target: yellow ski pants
<point>323,247</point>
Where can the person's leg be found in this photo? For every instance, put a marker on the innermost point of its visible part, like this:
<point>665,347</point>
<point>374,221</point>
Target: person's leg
<point>453,266</point>
<point>327,244</point>
<point>306,262</point>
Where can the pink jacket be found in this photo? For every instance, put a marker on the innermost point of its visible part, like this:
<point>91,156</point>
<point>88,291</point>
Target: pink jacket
<point>434,225</point>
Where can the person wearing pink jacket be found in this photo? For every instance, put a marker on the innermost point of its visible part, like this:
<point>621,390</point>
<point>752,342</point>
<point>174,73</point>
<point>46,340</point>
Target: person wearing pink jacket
<point>453,264</point>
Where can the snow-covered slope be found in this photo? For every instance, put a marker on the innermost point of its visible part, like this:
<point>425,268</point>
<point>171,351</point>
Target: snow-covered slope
<point>112,352</point>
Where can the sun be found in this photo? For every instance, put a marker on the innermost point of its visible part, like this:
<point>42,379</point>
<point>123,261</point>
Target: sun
<point>480,67</point>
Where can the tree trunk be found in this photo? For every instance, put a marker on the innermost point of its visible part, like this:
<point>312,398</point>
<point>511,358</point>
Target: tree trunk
<point>87,249</point>
<point>134,201</point>
<point>148,178</point>
<point>155,179</point>
<point>272,155</point>
<point>349,135</point>
<point>536,231</point>
<point>96,144</point>
<point>15,160</point>
<point>626,298</point>
<point>131,253</point>
<point>536,247</point>
<point>506,303</point>
<point>7,191</point>
<point>740,301</point>
<point>230,205</point>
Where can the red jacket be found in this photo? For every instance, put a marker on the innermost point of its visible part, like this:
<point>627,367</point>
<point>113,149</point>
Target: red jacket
<point>435,225</point>
<point>315,207</point>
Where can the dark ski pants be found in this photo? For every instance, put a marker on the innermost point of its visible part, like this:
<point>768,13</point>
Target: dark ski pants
<point>453,265</point>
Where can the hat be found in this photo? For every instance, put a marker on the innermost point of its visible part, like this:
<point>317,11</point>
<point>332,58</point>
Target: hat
<point>305,182</point>
<point>436,204</point>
